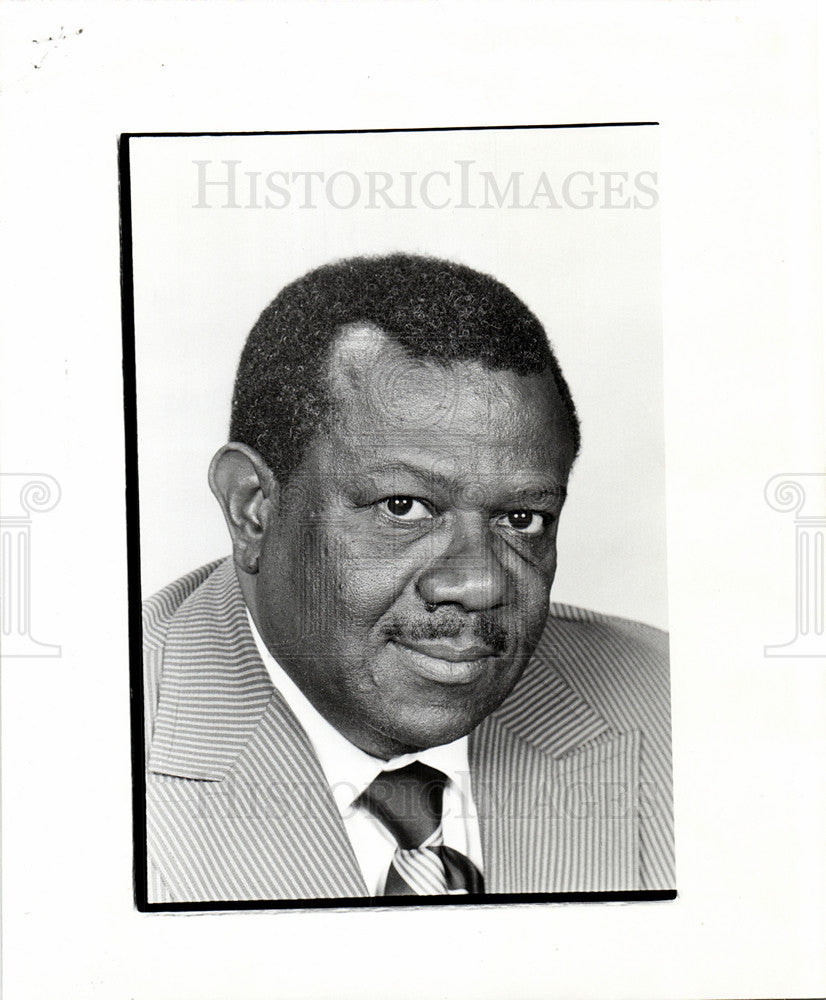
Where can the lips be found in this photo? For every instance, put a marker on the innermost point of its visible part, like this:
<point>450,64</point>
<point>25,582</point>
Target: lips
<point>446,661</point>
<point>444,649</point>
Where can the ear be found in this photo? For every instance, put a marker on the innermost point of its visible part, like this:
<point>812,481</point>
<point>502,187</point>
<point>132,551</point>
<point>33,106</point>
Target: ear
<point>248,494</point>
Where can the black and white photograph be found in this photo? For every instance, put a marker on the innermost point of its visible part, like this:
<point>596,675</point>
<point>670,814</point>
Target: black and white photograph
<point>357,507</point>
<point>412,500</point>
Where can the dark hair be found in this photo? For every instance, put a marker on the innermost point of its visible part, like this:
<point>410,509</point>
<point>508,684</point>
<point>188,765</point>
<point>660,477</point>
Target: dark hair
<point>435,309</point>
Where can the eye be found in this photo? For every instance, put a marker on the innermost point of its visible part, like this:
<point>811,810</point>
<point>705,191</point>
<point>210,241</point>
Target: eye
<point>525,522</point>
<point>406,509</point>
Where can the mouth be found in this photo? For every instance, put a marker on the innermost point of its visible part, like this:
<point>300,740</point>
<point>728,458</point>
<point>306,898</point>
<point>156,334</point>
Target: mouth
<point>445,661</point>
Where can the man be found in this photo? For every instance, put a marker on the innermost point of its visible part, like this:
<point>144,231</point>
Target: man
<point>371,697</point>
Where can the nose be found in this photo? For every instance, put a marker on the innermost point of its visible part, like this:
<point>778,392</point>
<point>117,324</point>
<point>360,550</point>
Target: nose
<point>467,572</point>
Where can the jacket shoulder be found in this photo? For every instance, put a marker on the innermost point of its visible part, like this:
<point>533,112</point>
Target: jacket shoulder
<point>160,608</point>
<point>159,611</point>
<point>619,666</point>
<point>597,623</point>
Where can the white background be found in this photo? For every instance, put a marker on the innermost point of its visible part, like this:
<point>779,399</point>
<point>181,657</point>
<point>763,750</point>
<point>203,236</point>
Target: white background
<point>735,89</point>
<point>592,275</point>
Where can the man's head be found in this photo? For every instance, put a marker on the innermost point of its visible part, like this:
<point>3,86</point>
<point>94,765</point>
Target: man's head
<point>401,441</point>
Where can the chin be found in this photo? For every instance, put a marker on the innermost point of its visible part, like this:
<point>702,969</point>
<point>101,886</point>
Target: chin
<point>433,730</point>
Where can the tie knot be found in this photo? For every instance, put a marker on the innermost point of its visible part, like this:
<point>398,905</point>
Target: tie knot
<point>408,801</point>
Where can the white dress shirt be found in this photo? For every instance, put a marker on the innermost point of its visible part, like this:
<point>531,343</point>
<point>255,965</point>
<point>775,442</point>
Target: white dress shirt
<point>350,770</point>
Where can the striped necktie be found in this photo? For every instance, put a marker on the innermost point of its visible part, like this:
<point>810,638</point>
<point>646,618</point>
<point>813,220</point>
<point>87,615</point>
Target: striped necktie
<point>408,802</point>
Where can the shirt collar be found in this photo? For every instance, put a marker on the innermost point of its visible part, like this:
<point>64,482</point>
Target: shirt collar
<point>348,769</point>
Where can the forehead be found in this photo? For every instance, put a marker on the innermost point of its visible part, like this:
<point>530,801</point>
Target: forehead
<point>386,399</point>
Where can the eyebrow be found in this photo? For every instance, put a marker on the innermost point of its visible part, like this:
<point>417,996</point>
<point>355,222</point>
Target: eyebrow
<point>534,494</point>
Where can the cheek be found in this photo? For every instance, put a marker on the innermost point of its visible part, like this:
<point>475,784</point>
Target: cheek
<point>302,585</point>
<point>356,584</point>
<point>533,587</point>
<point>531,580</point>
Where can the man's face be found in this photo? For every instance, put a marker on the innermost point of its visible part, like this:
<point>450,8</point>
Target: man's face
<point>404,578</point>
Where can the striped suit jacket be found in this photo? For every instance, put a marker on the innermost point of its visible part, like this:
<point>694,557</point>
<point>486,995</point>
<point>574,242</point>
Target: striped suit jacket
<point>571,775</point>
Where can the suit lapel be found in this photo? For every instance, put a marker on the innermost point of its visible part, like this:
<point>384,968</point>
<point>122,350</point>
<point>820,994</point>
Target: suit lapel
<point>556,792</point>
<point>256,820</point>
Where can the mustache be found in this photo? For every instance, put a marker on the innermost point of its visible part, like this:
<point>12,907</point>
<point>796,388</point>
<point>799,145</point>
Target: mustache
<point>483,628</point>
